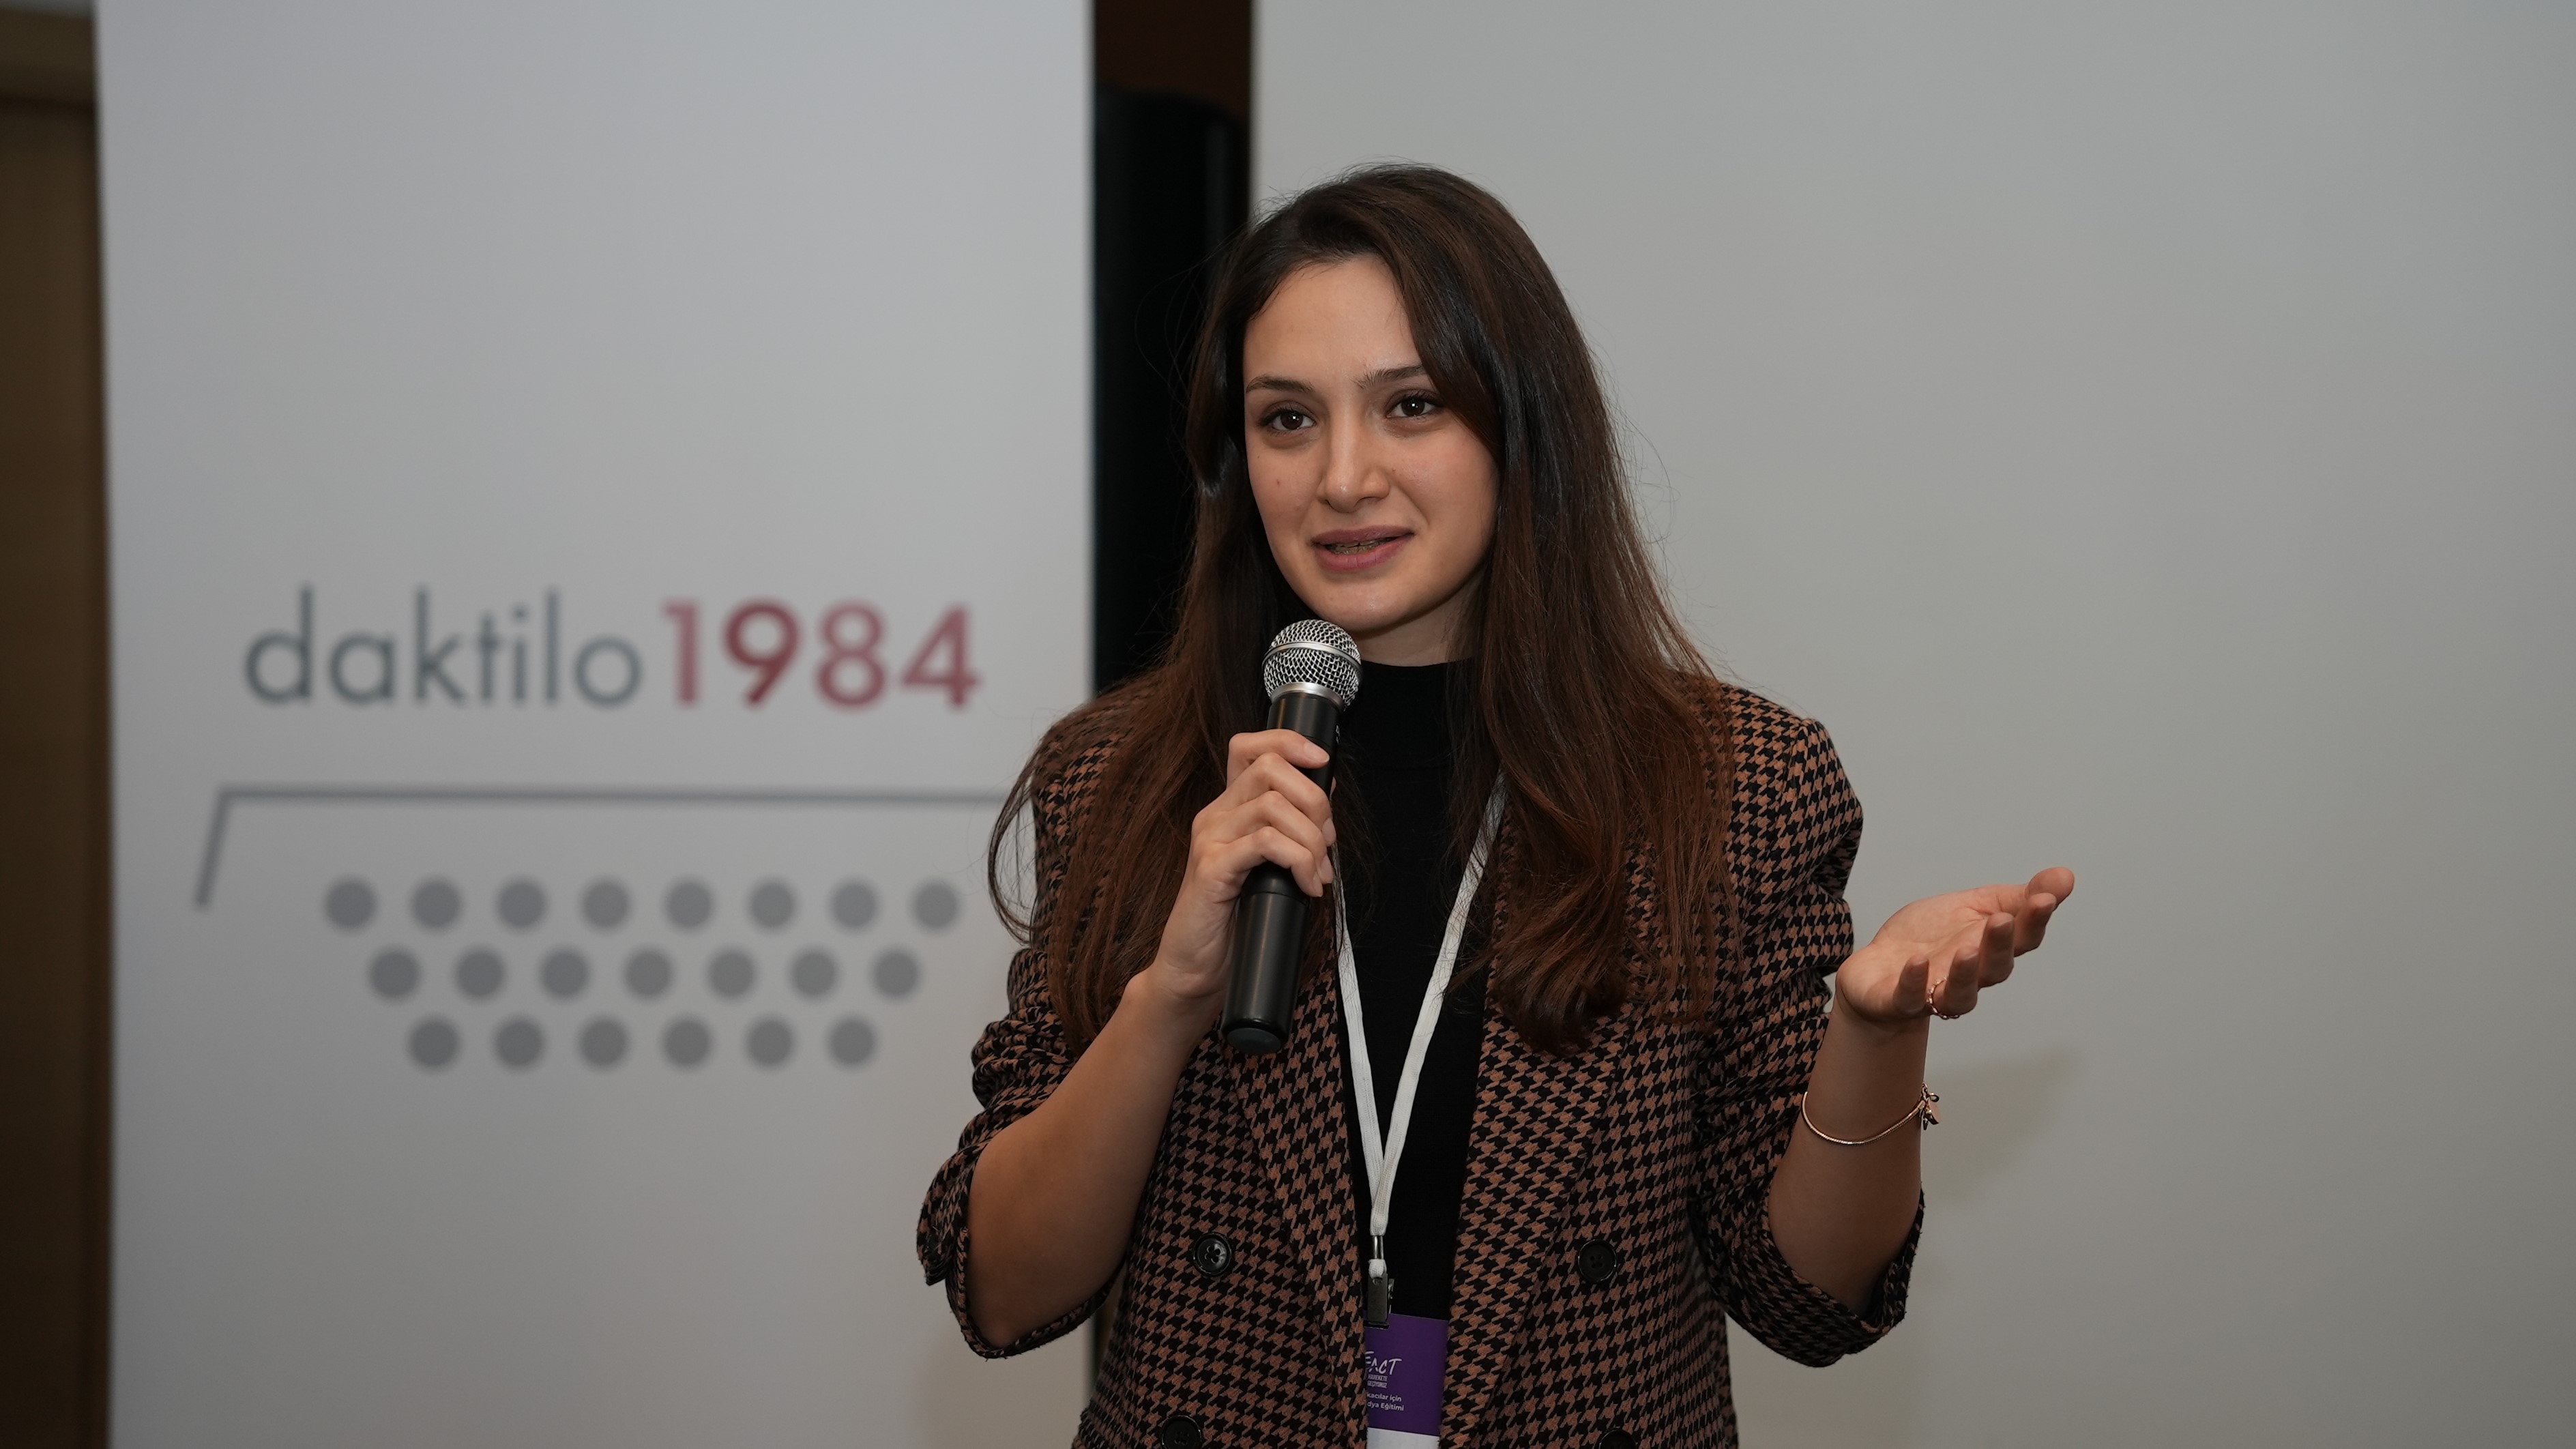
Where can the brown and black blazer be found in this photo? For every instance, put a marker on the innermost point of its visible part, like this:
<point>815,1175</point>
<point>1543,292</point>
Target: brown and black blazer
<point>1614,1209</point>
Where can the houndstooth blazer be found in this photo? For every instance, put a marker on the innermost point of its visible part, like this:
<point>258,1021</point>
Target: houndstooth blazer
<point>1614,1204</point>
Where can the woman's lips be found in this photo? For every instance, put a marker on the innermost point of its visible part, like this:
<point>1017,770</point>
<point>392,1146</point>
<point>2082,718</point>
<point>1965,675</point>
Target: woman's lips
<point>1353,550</point>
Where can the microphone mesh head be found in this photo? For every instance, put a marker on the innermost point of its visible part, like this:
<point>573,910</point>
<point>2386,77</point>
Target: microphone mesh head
<point>1313,652</point>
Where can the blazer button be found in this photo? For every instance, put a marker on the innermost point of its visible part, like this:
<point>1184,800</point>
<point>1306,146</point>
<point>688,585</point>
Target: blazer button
<point>1597,1259</point>
<point>1180,1431</point>
<point>1616,1439</point>
<point>1212,1255</point>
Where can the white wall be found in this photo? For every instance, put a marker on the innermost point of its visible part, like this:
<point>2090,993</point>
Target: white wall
<point>612,305</point>
<point>2144,436</point>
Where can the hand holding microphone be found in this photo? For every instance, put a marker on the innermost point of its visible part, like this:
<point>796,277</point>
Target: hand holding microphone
<point>1312,673</point>
<point>1259,853</point>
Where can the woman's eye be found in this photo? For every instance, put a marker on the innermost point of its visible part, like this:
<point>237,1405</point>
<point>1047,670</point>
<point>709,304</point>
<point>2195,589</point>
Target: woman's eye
<point>1286,420</point>
<point>1416,405</point>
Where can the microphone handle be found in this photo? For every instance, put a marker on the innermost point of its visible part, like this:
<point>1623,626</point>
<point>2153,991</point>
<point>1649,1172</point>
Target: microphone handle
<point>1270,916</point>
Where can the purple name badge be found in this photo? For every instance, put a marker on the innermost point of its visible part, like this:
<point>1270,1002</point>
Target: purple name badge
<point>1406,1361</point>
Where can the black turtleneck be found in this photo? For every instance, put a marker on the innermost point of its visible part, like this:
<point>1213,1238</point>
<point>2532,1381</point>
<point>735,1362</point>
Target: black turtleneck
<point>1395,755</point>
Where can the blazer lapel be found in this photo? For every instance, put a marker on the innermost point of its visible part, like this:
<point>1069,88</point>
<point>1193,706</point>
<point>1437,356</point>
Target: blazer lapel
<point>1292,1108</point>
<point>1536,1121</point>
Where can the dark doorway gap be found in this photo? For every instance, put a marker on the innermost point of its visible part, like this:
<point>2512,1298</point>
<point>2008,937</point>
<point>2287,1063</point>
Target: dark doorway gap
<point>55,1005</point>
<point>1171,181</point>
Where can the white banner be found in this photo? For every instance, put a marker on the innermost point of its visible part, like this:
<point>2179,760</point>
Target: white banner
<point>599,515</point>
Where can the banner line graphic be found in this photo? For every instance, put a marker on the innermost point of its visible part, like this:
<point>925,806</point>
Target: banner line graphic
<point>229,795</point>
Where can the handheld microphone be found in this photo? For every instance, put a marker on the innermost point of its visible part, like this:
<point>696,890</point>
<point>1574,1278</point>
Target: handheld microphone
<point>1312,671</point>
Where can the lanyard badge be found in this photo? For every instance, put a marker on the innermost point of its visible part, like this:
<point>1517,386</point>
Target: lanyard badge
<point>1384,1153</point>
<point>1407,1355</point>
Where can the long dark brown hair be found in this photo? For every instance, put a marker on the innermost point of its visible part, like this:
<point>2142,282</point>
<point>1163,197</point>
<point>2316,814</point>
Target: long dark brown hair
<point>1580,687</point>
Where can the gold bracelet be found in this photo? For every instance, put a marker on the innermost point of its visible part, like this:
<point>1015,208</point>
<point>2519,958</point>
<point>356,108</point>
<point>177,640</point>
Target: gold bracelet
<point>1922,1108</point>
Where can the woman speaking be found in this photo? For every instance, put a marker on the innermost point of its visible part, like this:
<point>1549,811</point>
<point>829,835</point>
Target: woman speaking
<point>1564,1082</point>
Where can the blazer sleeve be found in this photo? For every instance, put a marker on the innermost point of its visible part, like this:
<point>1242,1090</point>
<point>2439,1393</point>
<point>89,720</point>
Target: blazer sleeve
<point>1017,1063</point>
<point>1795,832</point>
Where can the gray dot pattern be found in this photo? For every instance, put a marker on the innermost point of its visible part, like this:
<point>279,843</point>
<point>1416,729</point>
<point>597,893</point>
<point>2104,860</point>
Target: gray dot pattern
<point>853,1041</point>
<point>814,973</point>
<point>854,904</point>
<point>395,973</point>
<point>349,904</point>
<point>605,904</point>
<point>648,973</point>
<point>436,904</point>
<point>688,903</point>
<point>564,973</point>
<point>479,973</point>
<point>772,904</point>
<point>523,903</point>
<point>729,974</point>
<point>435,1043</point>
<point>896,973</point>
<point>603,1043</point>
<point>935,905</point>
<point>770,1041</point>
<point>519,1043</point>
<point>687,1041</point>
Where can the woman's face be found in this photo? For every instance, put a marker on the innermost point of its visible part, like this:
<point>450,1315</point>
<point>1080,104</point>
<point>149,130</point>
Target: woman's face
<point>1378,501</point>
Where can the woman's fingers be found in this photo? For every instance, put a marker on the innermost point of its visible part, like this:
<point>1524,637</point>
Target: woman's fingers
<point>1954,986</point>
<point>1979,956</point>
<point>1223,863</point>
<point>1234,859</point>
<point>1296,749</point>
<point>1274,773</point>
<point>1995,964</point>
<point>1269,828</point>
<point>2033,926</point>
<point>1913,989</point>
<point>2040,900</point>
<point>1269,783</point>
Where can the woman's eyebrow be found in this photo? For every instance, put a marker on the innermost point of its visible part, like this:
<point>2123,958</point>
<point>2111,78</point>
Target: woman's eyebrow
<point>1378,378</point>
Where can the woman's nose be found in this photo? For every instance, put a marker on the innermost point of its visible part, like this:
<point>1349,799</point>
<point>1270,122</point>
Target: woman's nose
<point>1353,473</point>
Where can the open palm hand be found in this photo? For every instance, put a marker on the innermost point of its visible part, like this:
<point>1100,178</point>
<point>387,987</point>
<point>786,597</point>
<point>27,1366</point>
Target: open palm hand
<point>1936,954</point>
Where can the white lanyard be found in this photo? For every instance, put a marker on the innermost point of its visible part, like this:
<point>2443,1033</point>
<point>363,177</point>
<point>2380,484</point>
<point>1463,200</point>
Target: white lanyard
<point>1381,1157</point>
